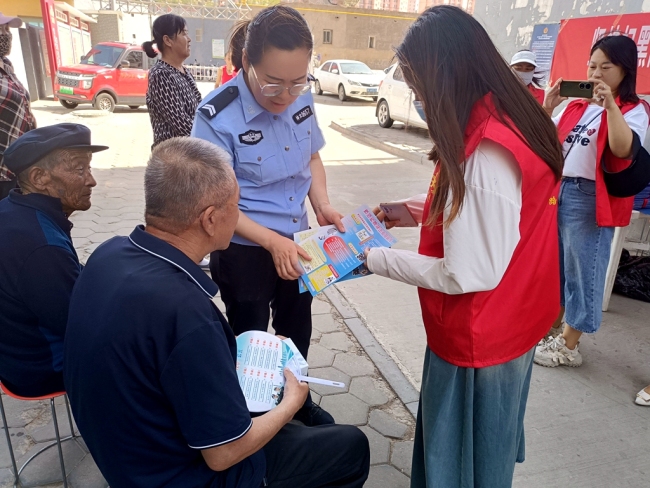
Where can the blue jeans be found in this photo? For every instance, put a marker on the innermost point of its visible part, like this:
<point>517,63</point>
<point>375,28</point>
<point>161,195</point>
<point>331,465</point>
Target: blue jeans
<point>584,254</point>
<point>470,426</point>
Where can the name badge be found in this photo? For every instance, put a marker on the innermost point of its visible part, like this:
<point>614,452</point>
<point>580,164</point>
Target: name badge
<point>303,114</point>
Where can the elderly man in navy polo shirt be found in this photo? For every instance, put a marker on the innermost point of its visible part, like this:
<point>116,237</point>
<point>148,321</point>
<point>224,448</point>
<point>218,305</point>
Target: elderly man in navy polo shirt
<point>150,360</point>
<point>38,263</point>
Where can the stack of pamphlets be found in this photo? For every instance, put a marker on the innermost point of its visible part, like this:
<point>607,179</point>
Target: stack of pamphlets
<point>337,256</point>
<point>261,360</point>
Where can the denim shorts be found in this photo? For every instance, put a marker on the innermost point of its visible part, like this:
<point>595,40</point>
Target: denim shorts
<point>584,254</point>
<point>470,425</point>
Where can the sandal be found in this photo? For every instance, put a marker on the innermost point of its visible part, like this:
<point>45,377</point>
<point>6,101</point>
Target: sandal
<point>642,398</point>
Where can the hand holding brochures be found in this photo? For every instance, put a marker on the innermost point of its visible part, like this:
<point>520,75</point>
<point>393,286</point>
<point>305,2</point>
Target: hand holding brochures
<point>261,361</point>
<point>336,256</point>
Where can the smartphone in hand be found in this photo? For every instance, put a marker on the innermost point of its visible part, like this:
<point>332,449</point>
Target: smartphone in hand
<point>577,89</point>
<point>400,212</point>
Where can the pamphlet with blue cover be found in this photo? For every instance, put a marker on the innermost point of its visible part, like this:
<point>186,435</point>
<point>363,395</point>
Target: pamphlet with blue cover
<point>335,255</point>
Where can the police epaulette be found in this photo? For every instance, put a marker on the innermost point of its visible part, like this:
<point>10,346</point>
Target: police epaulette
<point>220,101</point>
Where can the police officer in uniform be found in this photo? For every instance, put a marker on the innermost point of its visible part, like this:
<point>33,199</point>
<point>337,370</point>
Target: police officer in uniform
<point>265,119</point>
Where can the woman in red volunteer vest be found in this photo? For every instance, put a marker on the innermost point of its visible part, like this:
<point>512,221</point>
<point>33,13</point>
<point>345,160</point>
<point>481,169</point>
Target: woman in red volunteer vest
<point>226,72</point>
<point>524,64</point>
<point>587,215</point>
<point>486,268</point>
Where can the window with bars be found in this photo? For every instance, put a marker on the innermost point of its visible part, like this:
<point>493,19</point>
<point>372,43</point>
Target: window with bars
<point>327,36</point>
<point>198,35</point>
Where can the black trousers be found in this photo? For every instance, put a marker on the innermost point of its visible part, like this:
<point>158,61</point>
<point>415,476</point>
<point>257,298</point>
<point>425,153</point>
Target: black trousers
<point>251,289</point>
<point>313,457</point>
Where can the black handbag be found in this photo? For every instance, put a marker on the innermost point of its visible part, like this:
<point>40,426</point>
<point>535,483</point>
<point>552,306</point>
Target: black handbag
<point>634,178</point>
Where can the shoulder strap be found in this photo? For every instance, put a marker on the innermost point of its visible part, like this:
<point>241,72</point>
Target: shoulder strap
<point>220,101</point>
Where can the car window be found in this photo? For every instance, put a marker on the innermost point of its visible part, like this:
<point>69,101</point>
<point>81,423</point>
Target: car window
<point>335,66</point>
<point>135,59</point>
<point>103,55</point>
<point>397,74</point>
<point>326,66</point>
<point>355,69</point>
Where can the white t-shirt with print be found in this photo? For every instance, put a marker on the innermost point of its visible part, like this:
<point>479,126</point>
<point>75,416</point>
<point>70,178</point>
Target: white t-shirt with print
<point>580,146</point>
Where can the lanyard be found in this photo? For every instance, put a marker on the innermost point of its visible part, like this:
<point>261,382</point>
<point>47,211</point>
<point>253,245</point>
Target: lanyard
<point>582,131</point>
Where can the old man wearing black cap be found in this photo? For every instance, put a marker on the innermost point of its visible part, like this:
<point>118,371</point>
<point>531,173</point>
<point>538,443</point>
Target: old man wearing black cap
<point>38,263</point>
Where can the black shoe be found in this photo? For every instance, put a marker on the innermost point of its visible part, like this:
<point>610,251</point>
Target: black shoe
<point>312,415</point>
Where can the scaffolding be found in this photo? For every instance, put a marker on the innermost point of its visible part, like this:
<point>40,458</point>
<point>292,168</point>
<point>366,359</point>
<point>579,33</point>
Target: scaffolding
<point>197,9</point>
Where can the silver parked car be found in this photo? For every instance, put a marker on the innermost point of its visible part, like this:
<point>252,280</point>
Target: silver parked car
<point>395,101</point>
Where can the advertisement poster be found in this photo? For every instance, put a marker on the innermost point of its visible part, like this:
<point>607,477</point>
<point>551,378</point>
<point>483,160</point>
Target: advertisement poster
<point>543,45</point>
<point>218,48</point>
<point>576,37</point>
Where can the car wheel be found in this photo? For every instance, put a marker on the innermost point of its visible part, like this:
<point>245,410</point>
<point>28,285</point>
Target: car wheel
<point>319,90</point>
<point>374,99</point>
<point>383,115</point>
<point>104,102</point>
<point>69,105</point>
<point>342,96</point>
<point>134,107</point>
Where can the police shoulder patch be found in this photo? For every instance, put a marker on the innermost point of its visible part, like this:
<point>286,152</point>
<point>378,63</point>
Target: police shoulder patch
<point>303,114</point>
<point>220,101</point>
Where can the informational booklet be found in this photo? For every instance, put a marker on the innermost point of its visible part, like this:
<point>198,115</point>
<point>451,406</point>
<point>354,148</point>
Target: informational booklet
<point>261,359</point>
<point>335,255</point>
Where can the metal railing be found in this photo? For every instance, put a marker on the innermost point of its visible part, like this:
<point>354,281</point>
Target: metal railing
<point>198,9</point>
<point>202,73</point>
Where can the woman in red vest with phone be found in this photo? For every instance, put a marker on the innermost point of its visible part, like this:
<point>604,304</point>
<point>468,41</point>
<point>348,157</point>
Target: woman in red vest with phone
<point>486,267</point>
<point>587,214</point>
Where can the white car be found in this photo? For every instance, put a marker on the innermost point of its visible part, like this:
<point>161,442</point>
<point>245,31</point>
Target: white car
<point>395,101</point>
<point>347,78</point>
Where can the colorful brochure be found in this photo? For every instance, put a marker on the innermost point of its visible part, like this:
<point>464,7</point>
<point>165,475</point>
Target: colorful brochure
<point>261,359</point>
<point>336,255</point>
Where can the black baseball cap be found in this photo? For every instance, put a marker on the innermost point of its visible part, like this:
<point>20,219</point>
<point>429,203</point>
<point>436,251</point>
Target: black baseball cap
<point>34,145</point>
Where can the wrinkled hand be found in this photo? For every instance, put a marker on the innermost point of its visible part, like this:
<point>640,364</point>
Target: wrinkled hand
<point>295,392</point>
<point>285,257</point>
<point>381,216</point>
<point>603,94</point>
<point>552,97</point>
<point>327,215</point>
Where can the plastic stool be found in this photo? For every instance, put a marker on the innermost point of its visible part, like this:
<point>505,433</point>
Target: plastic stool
<point>58,441</point>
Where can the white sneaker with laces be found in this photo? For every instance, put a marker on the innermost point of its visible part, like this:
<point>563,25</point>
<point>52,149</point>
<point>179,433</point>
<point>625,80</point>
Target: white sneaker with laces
<point>642,398</point>
<point>553,353</point>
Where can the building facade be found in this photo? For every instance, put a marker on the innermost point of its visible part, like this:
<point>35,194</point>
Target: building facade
<point>466,5</point>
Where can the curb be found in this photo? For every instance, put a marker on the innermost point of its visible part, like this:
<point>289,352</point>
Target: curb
<point>402,387</point>
<point>378,144</point>
<point>356,102</point>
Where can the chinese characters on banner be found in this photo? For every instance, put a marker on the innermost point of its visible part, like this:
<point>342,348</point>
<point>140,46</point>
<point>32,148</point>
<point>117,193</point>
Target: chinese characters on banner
<point>576,37</point>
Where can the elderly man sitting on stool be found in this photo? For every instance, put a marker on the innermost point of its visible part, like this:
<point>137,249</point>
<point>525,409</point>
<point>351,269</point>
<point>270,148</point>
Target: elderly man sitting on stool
<point>150,360</point>
<point>38,263</point>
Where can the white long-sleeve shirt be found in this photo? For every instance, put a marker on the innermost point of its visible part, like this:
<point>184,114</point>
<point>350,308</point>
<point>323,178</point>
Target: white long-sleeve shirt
<point>479,243</point>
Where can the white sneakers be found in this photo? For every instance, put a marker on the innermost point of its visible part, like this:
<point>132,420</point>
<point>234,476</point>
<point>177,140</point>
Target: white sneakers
<point>642,398</point>
<point>553,352</point>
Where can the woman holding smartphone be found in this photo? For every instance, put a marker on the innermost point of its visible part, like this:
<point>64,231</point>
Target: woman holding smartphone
<point>266,121</point>
<point>589,130</point>
<point>486,266</point>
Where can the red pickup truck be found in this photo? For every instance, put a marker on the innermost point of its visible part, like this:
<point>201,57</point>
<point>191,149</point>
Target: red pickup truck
<point>112,73</point>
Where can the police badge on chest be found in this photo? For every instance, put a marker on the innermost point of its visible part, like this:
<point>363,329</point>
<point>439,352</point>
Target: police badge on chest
<point>251,137</point>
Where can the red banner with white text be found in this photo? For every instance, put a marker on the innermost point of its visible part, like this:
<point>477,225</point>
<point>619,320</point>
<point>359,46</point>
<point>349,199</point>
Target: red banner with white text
<point>576,37</point>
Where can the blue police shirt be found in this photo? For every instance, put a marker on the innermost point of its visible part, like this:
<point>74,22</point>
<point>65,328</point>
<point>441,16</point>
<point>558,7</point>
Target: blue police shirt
<point>149,367</point>
<point>270,155</point>
<point>38,269</point>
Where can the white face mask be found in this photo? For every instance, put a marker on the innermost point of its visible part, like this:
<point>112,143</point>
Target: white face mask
<point>526,76</point>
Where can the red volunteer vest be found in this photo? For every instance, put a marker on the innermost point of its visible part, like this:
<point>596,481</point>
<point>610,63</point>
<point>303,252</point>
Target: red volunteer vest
<point>225,77</point>
<point>538,93</point>
<point>482,329</point>
<point>610,211</point>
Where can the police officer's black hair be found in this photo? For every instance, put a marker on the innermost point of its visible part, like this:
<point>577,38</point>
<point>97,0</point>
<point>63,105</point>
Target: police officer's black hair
<point>169,25</point>
<point>280,26</point>
<point>621,51</point>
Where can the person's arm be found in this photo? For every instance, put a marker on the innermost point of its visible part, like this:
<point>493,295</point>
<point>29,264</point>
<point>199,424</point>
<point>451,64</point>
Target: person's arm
<point>217,83</point>
<point>263,430</point>
<point>167,100</point>
<point>479,243</point>
<point>619,133</point>
<point>552,98</point>
<point>320,202</point>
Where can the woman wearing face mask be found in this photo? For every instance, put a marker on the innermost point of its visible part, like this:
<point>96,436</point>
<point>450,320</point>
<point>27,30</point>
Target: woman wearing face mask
<point>265,119</point>
<point>587,214</point>
<point>16,117</point>
<point>226,72</point>
<point>486,266</point>
<point>172,96</point>
<point>524,64</point>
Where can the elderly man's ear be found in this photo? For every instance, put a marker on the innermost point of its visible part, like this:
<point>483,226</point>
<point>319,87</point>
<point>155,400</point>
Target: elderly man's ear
<point>39,178</point>
<point>209,220</point>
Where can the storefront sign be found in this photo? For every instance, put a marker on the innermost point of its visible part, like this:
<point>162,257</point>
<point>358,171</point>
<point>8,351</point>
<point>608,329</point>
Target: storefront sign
<point>576,36</point>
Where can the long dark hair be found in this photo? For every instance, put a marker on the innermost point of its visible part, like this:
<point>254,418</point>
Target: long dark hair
<point>169,25</point>
<point>621,51</point>
<point>280,26</point>
<point>450,63</point>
